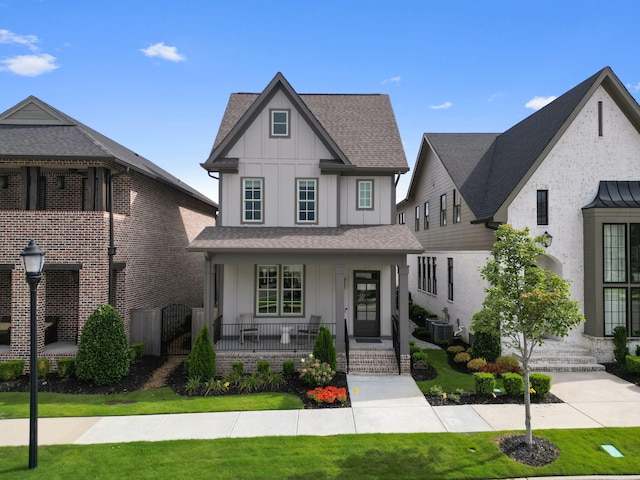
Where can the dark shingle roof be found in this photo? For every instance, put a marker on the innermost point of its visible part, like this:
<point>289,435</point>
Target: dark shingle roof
<point>377,239</point>
<point>34,129</point>
<point>359,129</point>
<point>617,194</point>
<point>487,168</point>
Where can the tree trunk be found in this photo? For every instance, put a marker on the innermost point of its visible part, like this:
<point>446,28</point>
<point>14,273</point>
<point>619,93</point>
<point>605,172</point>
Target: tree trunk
<point>527,393</point>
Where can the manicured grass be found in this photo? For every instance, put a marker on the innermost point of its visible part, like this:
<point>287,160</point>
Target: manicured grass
<point>428,455</point>
<point>142,402</point>
<point>447,377</point>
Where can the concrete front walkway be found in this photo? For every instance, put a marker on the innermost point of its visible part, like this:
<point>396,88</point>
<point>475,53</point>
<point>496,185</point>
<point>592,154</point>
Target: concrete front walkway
<point>379,404</point>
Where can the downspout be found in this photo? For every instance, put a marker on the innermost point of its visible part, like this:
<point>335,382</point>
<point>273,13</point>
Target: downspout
<point>111,251</point>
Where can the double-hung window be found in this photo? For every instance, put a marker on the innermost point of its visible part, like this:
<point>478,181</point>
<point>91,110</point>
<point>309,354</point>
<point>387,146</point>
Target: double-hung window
<point>443,209</point>
<point>457,209</point>
<point>279,123</point>
<point>426,215</point>
<point>252,200</point>
<point>280,290</point>
<point>450,279</point>
<point>365,194</point>
<point>307,204</point>
<point>417,221</point>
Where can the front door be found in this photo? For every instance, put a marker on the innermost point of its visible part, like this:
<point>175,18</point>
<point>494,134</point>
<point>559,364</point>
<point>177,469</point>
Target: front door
<point>366,299</point>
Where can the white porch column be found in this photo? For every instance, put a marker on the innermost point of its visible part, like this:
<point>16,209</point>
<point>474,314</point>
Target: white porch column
<point>403,308</point>
<point>339,308</point>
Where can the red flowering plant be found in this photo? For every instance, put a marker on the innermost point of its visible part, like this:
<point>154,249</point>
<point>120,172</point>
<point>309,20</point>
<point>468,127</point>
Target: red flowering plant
<point>328,394</point>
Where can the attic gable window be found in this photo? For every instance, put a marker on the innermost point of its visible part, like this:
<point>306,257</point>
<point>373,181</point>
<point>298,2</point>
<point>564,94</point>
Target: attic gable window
<point>279,123</point>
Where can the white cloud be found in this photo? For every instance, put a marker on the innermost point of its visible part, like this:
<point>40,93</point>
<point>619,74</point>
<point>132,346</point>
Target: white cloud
<point>635,88</point>
<point>163,51</point>
<point>494,97</point>
<point>442,106</point>
<point>395,80</point>
<point>30,65</point>
<point>536,103</point>
<point>29,41</point>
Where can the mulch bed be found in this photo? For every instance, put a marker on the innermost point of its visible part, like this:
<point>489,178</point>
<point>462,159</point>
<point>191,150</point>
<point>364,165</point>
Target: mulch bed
<point>541,451</point>
<point>622,372</point>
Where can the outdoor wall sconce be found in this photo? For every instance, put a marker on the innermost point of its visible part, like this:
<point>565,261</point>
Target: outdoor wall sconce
<point>548,238</point>
<point>4,183</point>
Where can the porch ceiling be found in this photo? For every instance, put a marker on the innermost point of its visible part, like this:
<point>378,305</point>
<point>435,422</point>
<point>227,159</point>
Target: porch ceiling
<point>344,240</point>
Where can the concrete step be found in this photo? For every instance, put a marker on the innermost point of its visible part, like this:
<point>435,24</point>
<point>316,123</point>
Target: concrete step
<point>556,356</point>
<point>373,362</point>
<point>565,367</point>
<point>559,359</point>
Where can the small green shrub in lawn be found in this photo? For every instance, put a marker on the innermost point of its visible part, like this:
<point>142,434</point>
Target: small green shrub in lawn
<point>620,350</point>
<point>420,356</point>
<point>316,373</point>
<point>263,367</point>
<point>193,385</point>
<point>633,364</point>
<point>413,349</point>
<point>513,383</point>
<point>66,367</point>
<point>484,383</point>
<point>201,361</point>
<point>324,349</point>
<point>44,366</point>
<point>11,369</point>
<point>454,349</point>
<point>487,345</point>
<point>103,353</point>
<point>436,390</point>
<point>462,357</point>
<point>540,383</point>
<point>475,364</point>
<point>288,368</point>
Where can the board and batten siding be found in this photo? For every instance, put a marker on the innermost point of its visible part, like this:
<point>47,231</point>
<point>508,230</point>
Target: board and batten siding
<point>382,212</point>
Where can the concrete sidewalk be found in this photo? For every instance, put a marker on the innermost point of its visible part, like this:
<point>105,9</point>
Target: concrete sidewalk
<point>379,404</point>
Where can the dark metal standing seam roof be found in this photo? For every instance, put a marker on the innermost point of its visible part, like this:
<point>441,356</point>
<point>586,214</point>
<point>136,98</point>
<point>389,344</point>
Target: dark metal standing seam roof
<point>616,194</point>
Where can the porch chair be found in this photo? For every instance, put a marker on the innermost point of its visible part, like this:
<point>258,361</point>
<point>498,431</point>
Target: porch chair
<point>311,329</point>
<point>247,325</point>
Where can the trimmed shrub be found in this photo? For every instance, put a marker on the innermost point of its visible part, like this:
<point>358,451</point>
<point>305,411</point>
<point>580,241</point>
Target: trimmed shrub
<point>484,383</point>
<point>487,345</point>
<point>103,353</point>
<point>541,383</point>
<point>44,366</point>
<point>418,314</point>
<point>420,356</point>
<point>462,357</point>
<point>413,349</point>
<point>633,364</point>
<point>513,383</point>
<point>136,351</point>
<point>288,368</point>
<point>237,368</point>
<point>454,349</point>
<point>507,363</point>
<point>620,350</point>
<point>11,369</point>
<point>324,349</point>
<point>475,364</point>
<point>316,373</point>
<point>263,367</point>
<point>66,367</point>
<point>201,361</point>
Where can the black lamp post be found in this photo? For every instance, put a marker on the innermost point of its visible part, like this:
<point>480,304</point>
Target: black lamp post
<point>33,261</point>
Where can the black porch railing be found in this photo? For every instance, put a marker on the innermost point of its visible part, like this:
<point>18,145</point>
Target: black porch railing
<point>263,336</point>
<point>346,342</point>
<point>395,327</point>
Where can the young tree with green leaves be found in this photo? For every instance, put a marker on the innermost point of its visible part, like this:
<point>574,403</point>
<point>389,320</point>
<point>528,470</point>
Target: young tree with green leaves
<point>524,302</point>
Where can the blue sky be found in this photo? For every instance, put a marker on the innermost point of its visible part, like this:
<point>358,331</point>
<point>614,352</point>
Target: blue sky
<point>156,76</point>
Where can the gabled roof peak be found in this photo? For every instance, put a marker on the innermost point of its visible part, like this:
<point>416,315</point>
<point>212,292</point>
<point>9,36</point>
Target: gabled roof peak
<point>33,111</point>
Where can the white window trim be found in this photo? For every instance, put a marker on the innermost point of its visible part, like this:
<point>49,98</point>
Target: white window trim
<point>280,290</point>
<point>359,205</point>
<point>273,123</point>
<point>258,290</point>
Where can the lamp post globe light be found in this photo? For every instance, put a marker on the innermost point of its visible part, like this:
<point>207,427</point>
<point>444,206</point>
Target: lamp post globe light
<point>33,261</point>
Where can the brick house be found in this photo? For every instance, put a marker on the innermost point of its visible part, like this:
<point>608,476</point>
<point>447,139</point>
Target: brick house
<point>569,170</point>
<point>113,225</point>
<point>307,194</point>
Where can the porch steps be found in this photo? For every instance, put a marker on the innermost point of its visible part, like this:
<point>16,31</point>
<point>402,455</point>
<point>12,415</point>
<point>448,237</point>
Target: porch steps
<point>557,356</point>
<point>373,361</point>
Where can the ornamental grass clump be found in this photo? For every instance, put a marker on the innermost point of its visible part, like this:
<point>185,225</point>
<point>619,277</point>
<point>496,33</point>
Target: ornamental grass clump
<point>316,373</point>
<point>328,394</point>
<point>475,364</point>
<point>103,353</point>
<point>455,349</point>
<point>462,357</point>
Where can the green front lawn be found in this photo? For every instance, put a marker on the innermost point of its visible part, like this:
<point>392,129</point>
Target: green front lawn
<point>141,402</point>
<point>410,456</point>
<point>447,378</point>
